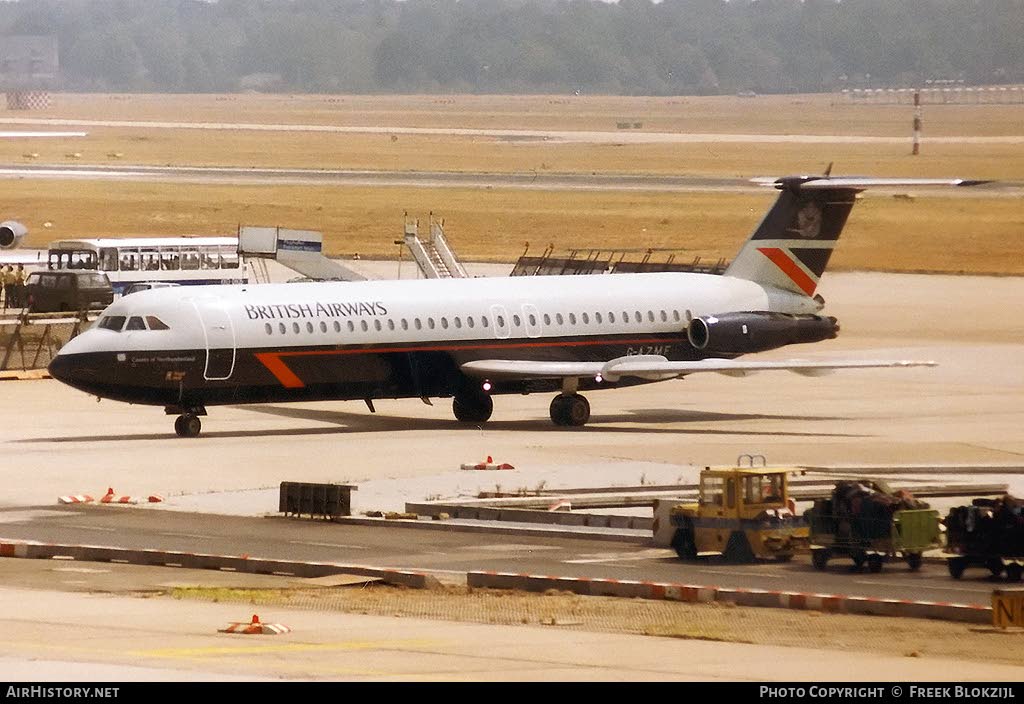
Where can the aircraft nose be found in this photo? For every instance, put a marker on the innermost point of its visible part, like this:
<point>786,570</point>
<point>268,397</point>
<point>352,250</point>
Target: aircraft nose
<point>61,369</point>
<point>74,371</point>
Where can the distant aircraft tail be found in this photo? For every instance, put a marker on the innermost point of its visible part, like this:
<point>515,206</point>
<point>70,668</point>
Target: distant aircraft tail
<point>791,247</point>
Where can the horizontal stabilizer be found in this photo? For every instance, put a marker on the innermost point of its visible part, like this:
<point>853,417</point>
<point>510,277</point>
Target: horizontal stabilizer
<point>657,368</point>
<point>792,246</point>
<point>857,182</point>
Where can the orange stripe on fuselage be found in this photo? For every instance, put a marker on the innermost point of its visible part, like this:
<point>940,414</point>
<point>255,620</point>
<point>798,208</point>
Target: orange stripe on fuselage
<point>273,362</point>
<point>277,367</point>
<point>790,268</point>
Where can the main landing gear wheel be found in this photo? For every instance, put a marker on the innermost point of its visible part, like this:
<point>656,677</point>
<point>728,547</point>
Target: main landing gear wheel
<point>914,560</point>
<point>472,408</point>
<point>570,410</point>
<point>819,558</point>
<point>187,425</point>
<point>683,543</point>
<point>956,566</point>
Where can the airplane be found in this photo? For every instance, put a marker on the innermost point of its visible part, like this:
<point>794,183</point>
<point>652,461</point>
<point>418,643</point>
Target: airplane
<point>12,233</point>
<point>472,339</point>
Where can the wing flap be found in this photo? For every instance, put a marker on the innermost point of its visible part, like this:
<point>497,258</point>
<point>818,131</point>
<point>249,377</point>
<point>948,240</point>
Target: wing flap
<point>656,368</point>
<point>520,369</point>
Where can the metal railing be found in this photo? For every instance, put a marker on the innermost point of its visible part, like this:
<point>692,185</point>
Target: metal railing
<point>33,339</point>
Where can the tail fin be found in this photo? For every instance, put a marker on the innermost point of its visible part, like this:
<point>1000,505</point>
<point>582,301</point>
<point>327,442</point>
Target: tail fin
<point>791,247</point>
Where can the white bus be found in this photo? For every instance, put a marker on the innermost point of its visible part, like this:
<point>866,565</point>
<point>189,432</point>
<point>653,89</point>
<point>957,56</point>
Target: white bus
<point>181,260</point>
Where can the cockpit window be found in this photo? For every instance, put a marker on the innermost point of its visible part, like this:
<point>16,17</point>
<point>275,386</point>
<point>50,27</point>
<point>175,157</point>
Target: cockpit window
<point>112,322</point>
<point>156,324</point>
<point>135,323</point>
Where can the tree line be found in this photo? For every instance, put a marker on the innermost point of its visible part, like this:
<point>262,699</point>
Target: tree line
<point>674,47</point>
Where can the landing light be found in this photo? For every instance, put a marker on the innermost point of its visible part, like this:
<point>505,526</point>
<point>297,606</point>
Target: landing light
<point>487,385</point>
<point>598,378</point>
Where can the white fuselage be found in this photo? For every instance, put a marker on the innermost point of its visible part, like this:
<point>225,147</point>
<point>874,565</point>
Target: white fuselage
<point>435,310</point>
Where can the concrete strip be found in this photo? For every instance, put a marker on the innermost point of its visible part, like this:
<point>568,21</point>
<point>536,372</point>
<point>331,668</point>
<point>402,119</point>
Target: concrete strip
<point>24,374</point>
<point>871,470</point>
<point>751,597</point>
<point>14,550</point>
<point>493,580</point>
<point>496,580</point>
<point>161,558</point>
<point>597,534</point>
<point>968,613</point>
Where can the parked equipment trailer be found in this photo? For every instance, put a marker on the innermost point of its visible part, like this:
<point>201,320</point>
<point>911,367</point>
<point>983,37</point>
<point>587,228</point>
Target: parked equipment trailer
<point>869,523</point>
<point>989,533</point>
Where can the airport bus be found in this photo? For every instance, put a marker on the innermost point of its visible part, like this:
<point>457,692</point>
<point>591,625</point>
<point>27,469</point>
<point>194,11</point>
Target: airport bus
<point>30,259</point>
<point>182,260</point>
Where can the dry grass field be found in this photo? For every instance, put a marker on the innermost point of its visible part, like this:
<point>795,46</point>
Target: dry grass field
<point>936,231</point>
<point>928,233</point>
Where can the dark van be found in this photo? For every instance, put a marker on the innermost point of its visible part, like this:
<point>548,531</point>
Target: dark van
<point>70,290</point>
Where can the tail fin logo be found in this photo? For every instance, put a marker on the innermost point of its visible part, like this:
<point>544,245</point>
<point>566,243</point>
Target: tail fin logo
<point>793,243</point>
<point>808,221</point>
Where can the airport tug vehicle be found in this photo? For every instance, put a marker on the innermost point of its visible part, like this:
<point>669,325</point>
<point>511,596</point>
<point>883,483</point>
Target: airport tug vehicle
<point>743,514</point>
<point>869,523</point>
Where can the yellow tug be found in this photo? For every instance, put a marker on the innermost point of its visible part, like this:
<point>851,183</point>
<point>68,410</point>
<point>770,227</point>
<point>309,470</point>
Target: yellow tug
<point>743,514</point>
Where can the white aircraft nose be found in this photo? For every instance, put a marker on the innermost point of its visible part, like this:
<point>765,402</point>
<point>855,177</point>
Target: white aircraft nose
<point>76,364</point>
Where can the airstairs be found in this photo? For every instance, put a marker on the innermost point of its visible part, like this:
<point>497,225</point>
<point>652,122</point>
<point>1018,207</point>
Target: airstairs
<point>434,256</point>
<point>299,250</point>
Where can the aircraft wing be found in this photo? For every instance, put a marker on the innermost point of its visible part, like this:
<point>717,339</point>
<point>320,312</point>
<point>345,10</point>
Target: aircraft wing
<point>860,182</point>
<point>658,368</point>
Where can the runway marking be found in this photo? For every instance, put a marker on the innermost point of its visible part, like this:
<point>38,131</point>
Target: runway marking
<point>510,546</point>
<point>603,561</point>
<point>745,573</point>
<point>650,553</point>
<point>187,535</point>
<point>917,585</point>
<point>327,545</point>
<point>81,527</point>
<point>288,648</point>
<point>84,570</point>
<point>20,516</point>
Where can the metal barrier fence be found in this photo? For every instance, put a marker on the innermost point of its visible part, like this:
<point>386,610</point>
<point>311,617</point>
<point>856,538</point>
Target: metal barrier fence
<point>956,95</point>
<point>32,340</point>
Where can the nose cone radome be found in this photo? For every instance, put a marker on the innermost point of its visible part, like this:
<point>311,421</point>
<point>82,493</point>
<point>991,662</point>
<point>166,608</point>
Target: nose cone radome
<point>76,370</point>
<point>62,369</point>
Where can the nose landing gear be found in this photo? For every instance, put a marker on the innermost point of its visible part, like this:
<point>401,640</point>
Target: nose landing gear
<point>187,425</point>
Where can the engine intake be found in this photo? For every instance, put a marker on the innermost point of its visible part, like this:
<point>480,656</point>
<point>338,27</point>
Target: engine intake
<point>743,333</point>
<point>11,233</point>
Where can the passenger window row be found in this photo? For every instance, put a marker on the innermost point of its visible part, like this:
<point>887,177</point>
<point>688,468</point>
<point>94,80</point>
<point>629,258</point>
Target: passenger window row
<point>471,322</point>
